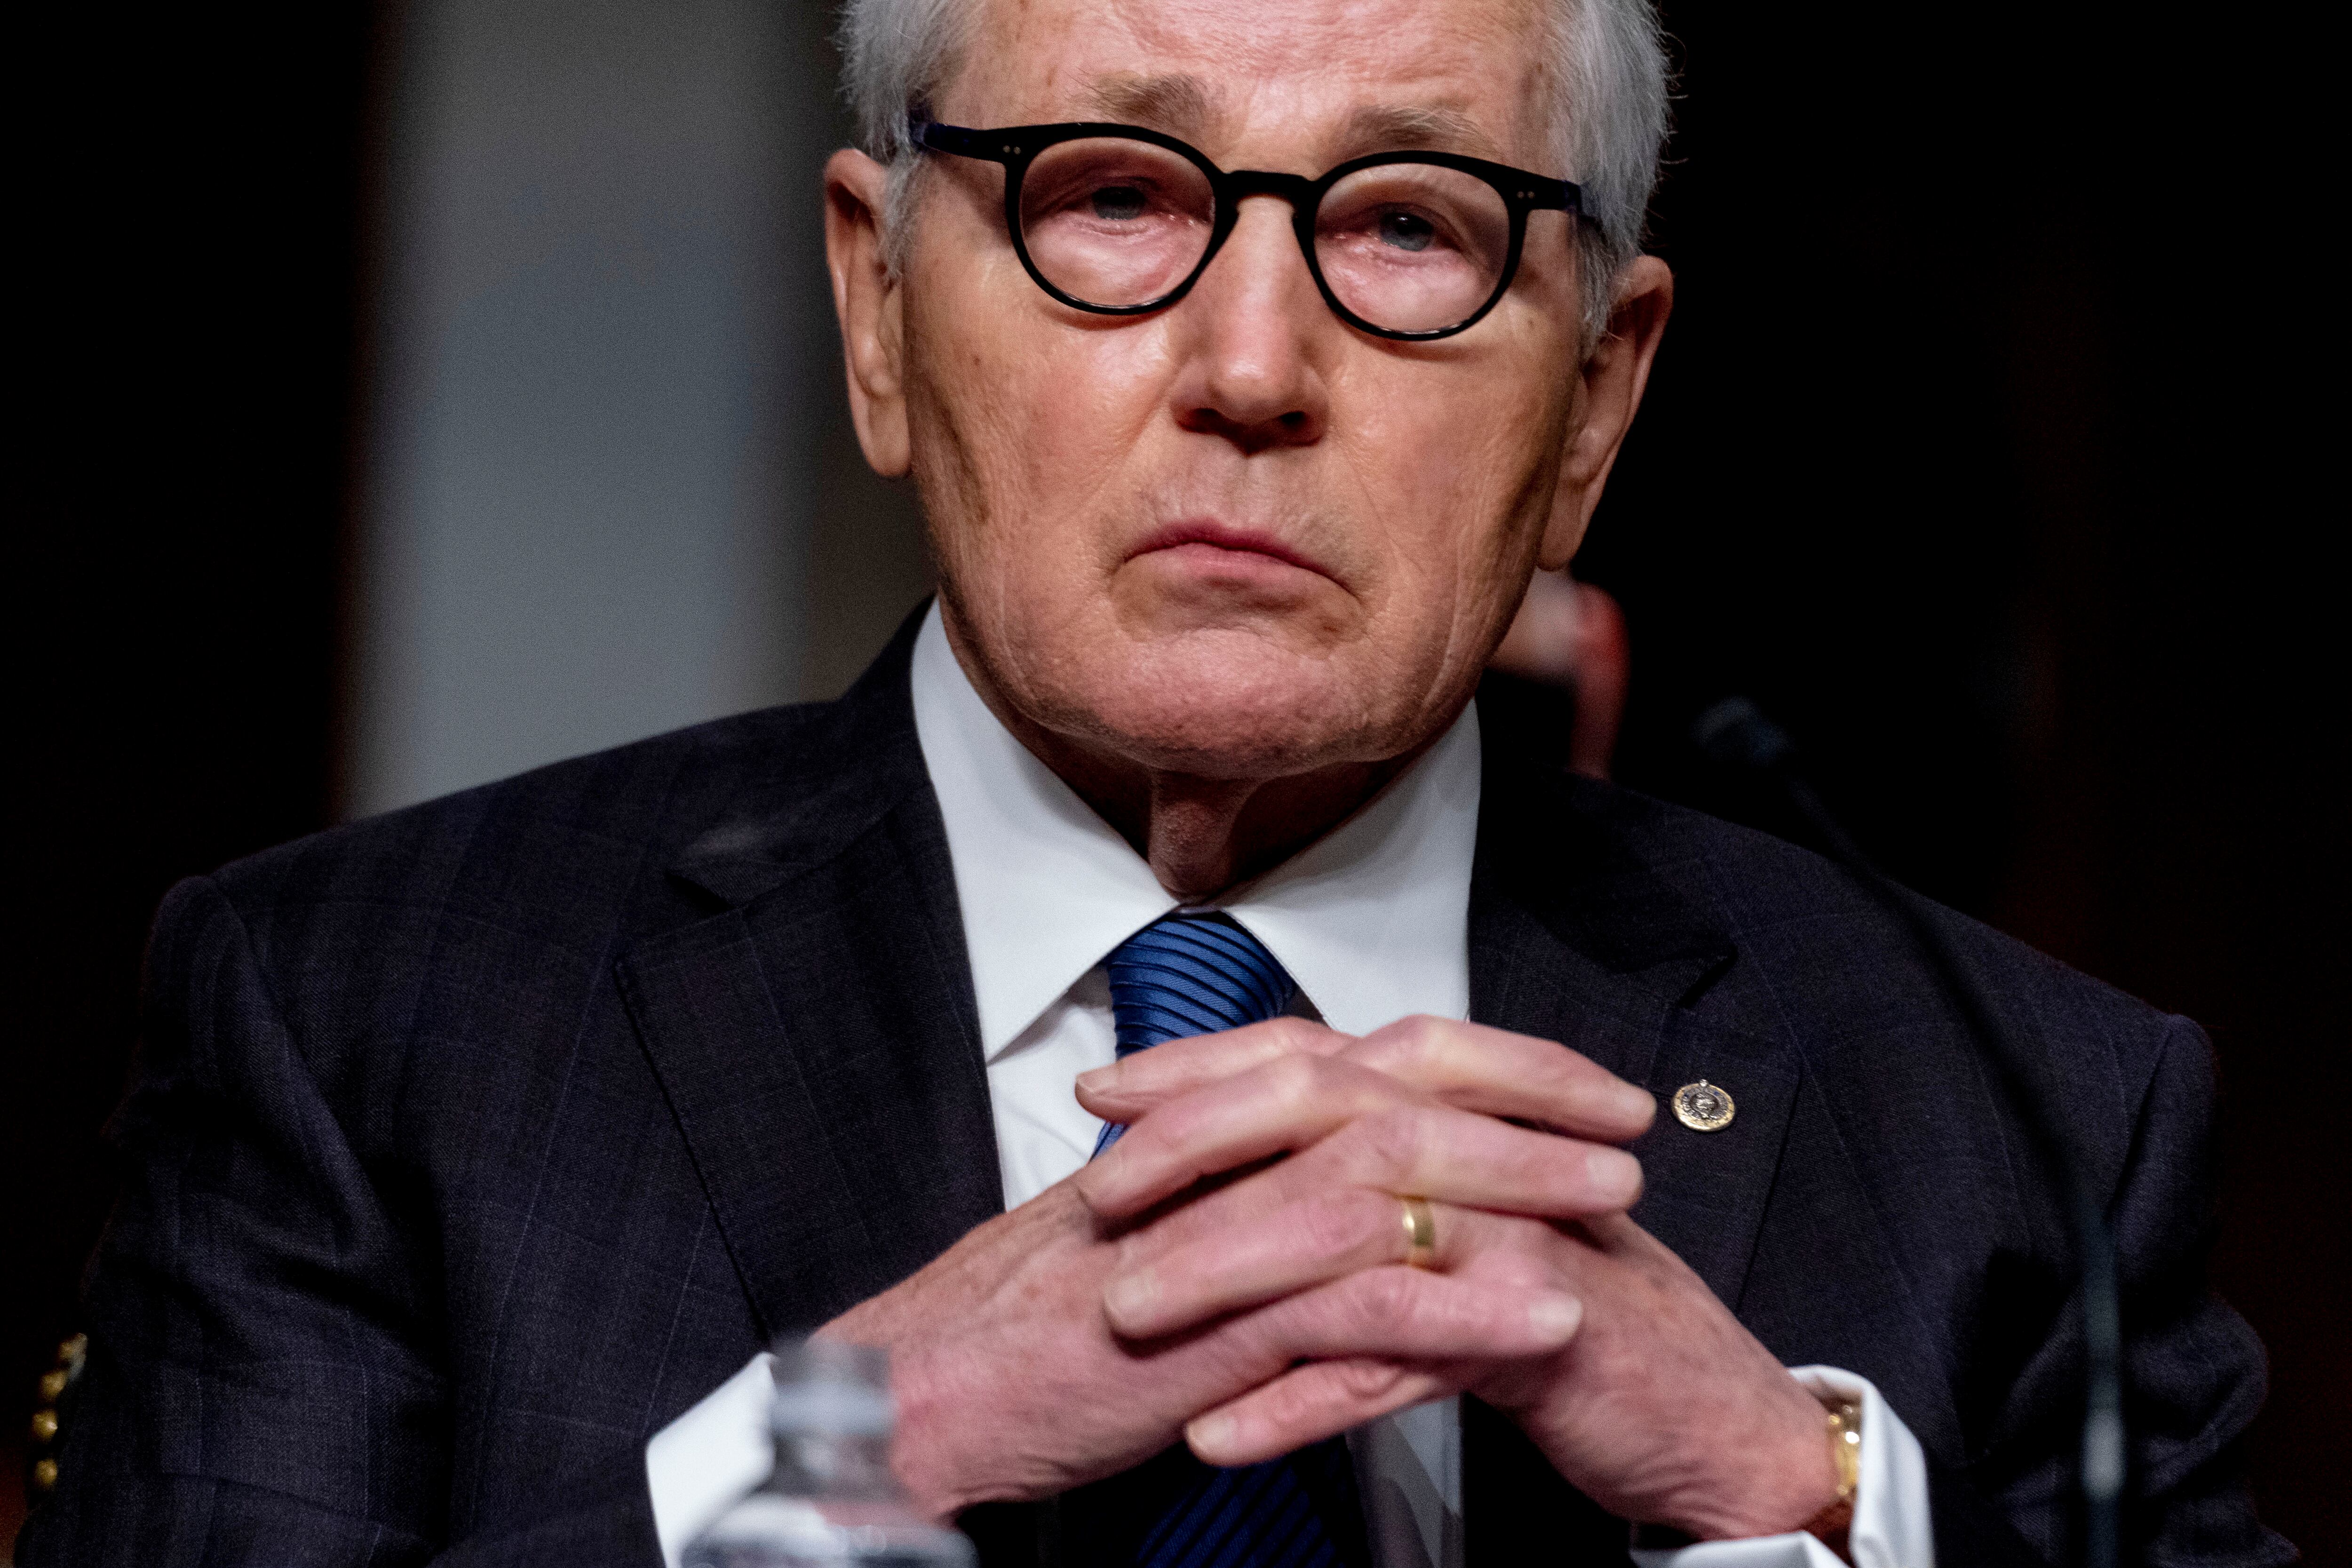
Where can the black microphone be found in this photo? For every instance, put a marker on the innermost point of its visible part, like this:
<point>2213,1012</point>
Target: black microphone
<point>1735,733</point>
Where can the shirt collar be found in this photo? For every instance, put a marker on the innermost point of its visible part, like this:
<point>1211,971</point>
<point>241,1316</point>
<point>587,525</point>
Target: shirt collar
<point>1372,920</point>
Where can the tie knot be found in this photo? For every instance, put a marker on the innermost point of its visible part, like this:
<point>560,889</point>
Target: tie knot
<point>1193,973</point>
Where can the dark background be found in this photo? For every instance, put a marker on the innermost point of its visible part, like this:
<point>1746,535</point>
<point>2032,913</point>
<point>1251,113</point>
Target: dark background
<point>1982,453</point>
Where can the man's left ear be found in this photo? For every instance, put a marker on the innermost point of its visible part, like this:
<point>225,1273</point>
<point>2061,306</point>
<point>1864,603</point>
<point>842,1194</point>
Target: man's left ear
<point>1609,390</point>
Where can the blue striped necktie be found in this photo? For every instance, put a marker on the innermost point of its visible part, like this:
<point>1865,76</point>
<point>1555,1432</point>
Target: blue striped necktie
<point>1197,973</point>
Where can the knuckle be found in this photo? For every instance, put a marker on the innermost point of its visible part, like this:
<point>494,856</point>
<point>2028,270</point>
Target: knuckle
<point>1292,1036</point>
<point>1152,1148</point>
<point>1515,1269</point>
<point>1577,1087</point>
<point>1414,1045</point>
<point>1363,1380</point>
<point>1294,1402</point>
<point>1560,1071</point>
<point>1295,1078</point>
<point>1240,1356</point>
<point>1385,1297</point>
<point>1565,1175</point>
<point>1340,1223</point>
<point>1421,1037</point>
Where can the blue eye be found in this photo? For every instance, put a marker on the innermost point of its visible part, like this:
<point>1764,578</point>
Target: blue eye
<point>1406,232</point>
<point>1119,204</point>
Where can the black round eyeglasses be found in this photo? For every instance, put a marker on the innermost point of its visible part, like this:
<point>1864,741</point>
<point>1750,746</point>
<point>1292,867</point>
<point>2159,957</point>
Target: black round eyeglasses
<point>1121,220</point>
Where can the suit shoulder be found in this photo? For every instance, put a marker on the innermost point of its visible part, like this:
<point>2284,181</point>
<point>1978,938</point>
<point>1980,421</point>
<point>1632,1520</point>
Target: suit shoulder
<point>547,850</point>
<point>1826,948</point>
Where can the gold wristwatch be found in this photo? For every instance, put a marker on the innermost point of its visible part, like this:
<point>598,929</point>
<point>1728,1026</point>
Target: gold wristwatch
<point>1845,1446</point>
<point>1832,1522</point>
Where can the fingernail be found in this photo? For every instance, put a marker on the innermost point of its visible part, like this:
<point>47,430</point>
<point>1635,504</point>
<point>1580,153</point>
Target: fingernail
<point>1212,1431</point>
<point>1099,1080</point>
<point>1129,1296</point>
<point>1556,1318</point>
<point>1636,1104</point>
<point>1616,1175</point>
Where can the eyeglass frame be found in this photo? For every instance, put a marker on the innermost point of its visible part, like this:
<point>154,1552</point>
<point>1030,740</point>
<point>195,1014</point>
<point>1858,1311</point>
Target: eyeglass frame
<point>1017,146</point>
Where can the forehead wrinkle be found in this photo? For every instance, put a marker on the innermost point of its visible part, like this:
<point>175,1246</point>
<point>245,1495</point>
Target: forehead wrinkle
<point>1185,105</point>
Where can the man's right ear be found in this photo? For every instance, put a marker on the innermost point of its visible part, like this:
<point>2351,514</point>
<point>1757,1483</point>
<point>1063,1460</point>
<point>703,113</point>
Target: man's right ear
<point>867,299</point>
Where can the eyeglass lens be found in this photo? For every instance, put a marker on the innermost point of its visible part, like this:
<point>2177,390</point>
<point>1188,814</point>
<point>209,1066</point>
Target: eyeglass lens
<point>1410,248</point>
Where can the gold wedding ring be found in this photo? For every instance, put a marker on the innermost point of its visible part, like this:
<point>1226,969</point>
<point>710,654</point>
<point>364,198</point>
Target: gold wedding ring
<point>1420,1234</point>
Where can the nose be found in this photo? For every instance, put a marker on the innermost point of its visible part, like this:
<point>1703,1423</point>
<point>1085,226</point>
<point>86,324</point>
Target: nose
<point>1253,334</point>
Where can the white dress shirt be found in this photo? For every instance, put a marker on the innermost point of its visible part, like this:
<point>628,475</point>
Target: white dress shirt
<point>1372,921</point>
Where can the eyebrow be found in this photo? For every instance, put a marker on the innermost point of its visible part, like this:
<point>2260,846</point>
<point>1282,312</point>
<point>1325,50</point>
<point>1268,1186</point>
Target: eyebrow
<point>1176,103</point>
<point>1398,128</point>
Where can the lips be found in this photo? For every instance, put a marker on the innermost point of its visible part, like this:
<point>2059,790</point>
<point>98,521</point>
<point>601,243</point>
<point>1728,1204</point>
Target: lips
<point>1214,535</point>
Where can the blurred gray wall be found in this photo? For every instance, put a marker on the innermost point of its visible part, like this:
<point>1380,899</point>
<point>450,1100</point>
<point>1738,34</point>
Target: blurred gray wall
<point>608,487</point>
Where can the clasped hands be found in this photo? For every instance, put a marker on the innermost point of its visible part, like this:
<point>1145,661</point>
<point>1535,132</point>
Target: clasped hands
<point>1232,1271</point>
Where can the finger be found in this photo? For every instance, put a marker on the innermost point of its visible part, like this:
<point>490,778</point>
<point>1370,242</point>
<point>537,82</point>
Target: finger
<point>1504,1074</point>
<point>1282,1106</point>
<point>1306,1406</point>
<point>1475,1161</point>
<point>1413,1315</point>
<point>1318,1238</point>
<point>1127,1089</point>
<point>1431,1150</point>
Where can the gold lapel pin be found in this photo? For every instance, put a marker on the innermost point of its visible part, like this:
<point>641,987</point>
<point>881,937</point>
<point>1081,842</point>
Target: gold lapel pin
<point>1704,1107</point>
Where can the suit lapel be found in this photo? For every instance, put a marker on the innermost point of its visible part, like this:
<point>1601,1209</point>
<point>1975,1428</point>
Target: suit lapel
<point>1576,936</point>
<point>816,1036</point>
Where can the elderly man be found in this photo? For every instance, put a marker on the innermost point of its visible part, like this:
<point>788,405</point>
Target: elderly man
<point>1249,358</point>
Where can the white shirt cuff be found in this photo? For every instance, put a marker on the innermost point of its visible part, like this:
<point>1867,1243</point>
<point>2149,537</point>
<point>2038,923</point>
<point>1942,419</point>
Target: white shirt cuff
<point>700,1464</point>
<point>1890,1524</point>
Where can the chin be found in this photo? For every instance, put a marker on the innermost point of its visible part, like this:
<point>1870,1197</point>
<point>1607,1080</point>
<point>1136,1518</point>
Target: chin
<point>1235,706</point>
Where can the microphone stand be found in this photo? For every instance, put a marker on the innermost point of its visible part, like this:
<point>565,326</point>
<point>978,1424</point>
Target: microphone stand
<point>1735,733</point>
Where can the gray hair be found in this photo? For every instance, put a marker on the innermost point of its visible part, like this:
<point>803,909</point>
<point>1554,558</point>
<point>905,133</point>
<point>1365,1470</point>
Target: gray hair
<point>1610,71</point>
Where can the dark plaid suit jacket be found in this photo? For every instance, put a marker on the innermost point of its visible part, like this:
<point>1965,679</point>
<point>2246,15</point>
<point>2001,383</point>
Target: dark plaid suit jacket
<point>471,1144</point>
